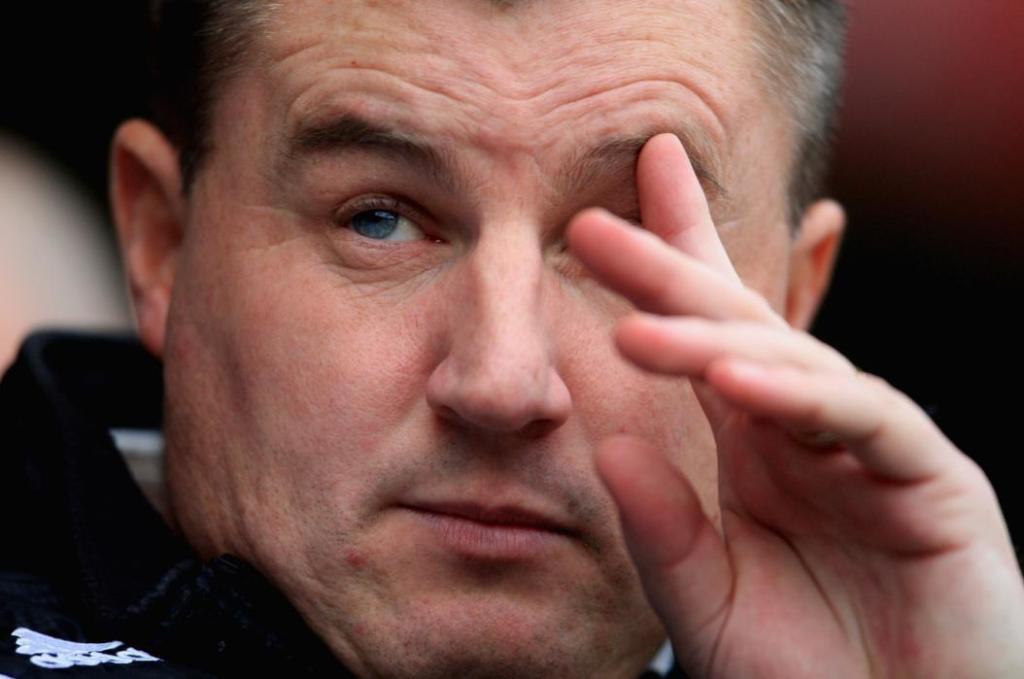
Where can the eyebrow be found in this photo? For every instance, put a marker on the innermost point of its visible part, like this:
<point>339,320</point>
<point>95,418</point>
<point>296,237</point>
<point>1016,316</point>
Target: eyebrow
<point>615,156</point>
<point>620,154</point>
<point>348,132</point>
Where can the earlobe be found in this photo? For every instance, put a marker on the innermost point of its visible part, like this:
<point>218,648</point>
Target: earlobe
<point>149,210</point>
<point>812,260</point>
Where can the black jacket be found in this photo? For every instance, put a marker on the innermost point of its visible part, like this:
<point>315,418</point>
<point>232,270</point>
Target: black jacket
<point>86,558</point>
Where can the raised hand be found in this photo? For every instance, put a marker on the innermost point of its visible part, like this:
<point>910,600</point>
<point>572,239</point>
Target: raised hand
<point>855,539</point>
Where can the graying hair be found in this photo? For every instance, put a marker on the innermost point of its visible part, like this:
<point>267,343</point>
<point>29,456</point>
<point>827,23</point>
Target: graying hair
<point>197,45</point>
<point>801,44</point>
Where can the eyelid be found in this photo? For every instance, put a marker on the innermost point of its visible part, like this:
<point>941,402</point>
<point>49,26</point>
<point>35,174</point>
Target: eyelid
<point>346,211</point>
<point>406,208</point>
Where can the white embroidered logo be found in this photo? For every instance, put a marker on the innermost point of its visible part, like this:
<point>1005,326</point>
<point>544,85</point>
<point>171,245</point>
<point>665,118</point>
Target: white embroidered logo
<point>54,653</point>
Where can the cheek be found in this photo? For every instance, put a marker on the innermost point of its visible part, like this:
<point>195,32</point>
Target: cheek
<point>610,396</point>
<point>308,384</point>
<point>670,416</point>
<point>331,370</point>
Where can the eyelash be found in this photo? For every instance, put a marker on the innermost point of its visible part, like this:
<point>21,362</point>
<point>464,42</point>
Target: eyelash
<point>342,215</point>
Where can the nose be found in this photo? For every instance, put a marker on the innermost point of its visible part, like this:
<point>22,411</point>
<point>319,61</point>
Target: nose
<point>499,371</point>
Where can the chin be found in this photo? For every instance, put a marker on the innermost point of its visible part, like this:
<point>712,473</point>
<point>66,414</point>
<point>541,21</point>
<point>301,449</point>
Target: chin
<point>396,601</point>
<point>477,639</point>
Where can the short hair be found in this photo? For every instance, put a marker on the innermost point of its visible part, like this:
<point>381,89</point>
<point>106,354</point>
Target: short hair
<point>197,44</point>
<point>802,45</point>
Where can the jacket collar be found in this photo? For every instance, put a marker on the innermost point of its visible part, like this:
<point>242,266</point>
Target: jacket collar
<point>103,543</point>
<point>83,523</point>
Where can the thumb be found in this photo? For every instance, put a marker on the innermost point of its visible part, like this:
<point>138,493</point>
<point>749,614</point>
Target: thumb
<point>681,558</point>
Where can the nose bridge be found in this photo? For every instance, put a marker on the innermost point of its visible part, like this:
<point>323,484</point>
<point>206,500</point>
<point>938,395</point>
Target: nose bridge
<point>504,323</point>
<point>500,372</point>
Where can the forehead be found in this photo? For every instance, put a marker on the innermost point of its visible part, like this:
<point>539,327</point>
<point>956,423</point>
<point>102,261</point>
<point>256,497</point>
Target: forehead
<point>513,75</point>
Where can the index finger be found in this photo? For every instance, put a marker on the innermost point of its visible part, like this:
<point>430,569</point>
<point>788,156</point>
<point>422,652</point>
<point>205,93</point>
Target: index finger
<point>673,205</point>
<point>657,277</point>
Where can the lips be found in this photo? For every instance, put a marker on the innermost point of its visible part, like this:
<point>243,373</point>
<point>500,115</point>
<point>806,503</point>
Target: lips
<point>501,516</point>
<point>476,531</point>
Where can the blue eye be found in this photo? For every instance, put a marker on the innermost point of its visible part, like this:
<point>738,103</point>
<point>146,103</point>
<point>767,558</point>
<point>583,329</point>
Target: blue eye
<point>384,225</point>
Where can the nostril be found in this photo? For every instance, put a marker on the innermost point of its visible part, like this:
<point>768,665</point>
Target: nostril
<point>539,428</point>
<point>448,414</point>
<point>534,428</point>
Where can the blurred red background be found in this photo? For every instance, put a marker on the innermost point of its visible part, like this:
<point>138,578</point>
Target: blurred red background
<point>934,120</point>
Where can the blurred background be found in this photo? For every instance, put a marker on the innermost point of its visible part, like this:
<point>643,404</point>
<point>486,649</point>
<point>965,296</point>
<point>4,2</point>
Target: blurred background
<point>930,166</point>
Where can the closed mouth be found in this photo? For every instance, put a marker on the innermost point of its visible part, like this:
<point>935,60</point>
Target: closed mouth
<point>502,516</point>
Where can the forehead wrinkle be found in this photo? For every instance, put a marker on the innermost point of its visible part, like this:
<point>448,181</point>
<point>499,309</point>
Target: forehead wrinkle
<point>429,62</point>
<point>527,89</point>
<point>650,88</point>
<point>419,67</point>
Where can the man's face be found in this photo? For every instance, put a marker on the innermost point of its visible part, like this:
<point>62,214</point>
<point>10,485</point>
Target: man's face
<point>385,374</point>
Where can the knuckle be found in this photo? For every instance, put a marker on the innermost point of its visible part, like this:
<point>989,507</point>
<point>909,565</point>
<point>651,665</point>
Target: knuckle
<point>892,401</point>
<point>879,385</point>
<point>896,407</point>
<point>816,413</point>
<point>834,355</point>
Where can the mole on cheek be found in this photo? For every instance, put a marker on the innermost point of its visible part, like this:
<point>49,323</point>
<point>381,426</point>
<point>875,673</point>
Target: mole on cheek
<point>356,560</point>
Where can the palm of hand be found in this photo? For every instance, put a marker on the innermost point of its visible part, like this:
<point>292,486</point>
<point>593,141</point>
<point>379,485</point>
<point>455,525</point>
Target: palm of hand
<point>839,572</point>
<point>884,554</point>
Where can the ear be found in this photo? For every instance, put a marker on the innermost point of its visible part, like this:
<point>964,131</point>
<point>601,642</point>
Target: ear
<point>149,211</point>
<point>812,259</point>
